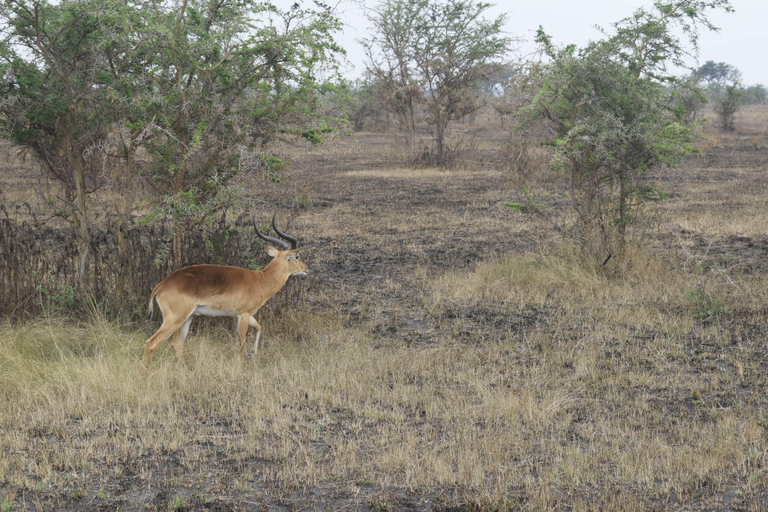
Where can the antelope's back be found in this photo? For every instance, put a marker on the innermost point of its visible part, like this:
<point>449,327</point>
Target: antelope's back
<point>205,280</point>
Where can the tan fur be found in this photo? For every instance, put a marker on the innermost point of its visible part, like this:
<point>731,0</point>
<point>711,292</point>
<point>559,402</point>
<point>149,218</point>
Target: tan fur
<point>225,291</point>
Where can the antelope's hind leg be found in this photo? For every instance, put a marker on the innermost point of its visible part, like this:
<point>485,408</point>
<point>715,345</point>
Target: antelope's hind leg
<point>179,337</point>
<point>172,324</point>
<point>156,339</point>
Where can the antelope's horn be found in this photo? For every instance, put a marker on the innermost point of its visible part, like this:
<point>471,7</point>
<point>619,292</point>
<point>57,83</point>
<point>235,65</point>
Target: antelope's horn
<point>275,241</point>
<point>291,239</point>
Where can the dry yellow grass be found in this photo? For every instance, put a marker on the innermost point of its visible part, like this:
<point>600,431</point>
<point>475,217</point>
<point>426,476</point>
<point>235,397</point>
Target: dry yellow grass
<point>721,192</point>
<point>408,173</point>
<point>606,393</point>
<point>614,359</point>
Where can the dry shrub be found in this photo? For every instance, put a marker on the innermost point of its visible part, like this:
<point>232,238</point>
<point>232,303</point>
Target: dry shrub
<point>39,262</point>
<point>644,292</point>
<point>564,277</point>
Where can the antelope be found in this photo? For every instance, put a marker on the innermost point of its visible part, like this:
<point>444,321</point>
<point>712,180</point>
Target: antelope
<point>216,290</point>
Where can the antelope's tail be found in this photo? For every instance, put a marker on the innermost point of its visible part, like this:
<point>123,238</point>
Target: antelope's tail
<point>151,305</point>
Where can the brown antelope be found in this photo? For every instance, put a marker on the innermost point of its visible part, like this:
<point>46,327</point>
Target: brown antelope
<point>216,290</point>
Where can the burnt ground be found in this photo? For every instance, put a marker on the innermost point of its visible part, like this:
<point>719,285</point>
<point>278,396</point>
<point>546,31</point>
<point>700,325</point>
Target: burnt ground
<point>369,227</point>
<point>383,223</point>
<point>374,234</point>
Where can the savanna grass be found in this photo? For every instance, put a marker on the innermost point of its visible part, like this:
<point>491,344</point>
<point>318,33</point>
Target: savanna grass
<point>431,358</point>
<point>617,401</point>
<point>629,386</point>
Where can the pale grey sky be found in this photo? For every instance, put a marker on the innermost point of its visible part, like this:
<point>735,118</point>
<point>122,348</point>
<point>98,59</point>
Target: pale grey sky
<point>741,42</point>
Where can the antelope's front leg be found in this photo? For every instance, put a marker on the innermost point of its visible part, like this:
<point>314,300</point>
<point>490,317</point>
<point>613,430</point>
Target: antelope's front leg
<point>253,323</point>
<point>242,328</point>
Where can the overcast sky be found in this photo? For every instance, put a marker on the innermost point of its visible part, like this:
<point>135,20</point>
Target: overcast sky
<point>741,42</point>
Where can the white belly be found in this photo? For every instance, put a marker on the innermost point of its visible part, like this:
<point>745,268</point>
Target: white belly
<point>209,311</point>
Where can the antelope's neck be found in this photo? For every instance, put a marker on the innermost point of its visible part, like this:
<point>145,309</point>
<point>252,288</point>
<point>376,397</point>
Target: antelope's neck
<point>273,277</point>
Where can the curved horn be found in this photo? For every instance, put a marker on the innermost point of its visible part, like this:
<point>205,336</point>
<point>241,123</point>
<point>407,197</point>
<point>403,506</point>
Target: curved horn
<point>292,239</point>
<point>275,241</point>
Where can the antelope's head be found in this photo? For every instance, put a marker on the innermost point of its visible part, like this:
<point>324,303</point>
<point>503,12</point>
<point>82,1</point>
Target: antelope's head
<point>284,252</point>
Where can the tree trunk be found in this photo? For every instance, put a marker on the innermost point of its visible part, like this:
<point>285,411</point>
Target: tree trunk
<point>440,140</point>
<point>125,183</point>
<point>125,186</point>
<point>178,248</point>
<point>76,165</point>
<point>413,125</point>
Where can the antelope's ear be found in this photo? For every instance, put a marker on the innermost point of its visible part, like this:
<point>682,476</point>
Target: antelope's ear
<point>272,251</point>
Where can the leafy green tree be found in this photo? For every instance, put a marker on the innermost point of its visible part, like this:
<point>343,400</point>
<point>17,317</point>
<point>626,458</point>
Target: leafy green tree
<point>613,121</point>
<point>199,88</point>
<point>718,73</point>
<point>53,101</point>
<point>716,76</point>
<point>218,81</point>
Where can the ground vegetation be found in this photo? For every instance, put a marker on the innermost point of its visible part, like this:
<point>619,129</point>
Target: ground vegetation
<point>442,353</point>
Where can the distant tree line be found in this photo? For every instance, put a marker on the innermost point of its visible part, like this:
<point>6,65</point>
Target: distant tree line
<point>722,87</point>
<point>717,76</point>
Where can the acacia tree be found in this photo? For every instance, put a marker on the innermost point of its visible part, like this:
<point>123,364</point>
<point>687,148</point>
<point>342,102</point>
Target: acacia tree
<point>503,88</point>
<point>436,55</point>
<point>52,100</point>
<point>390,59</point>
<point>456,49</point>
<point>219,80</point>
<point>613,120</point>
<point>718,74</point>
<point>197,87</point>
